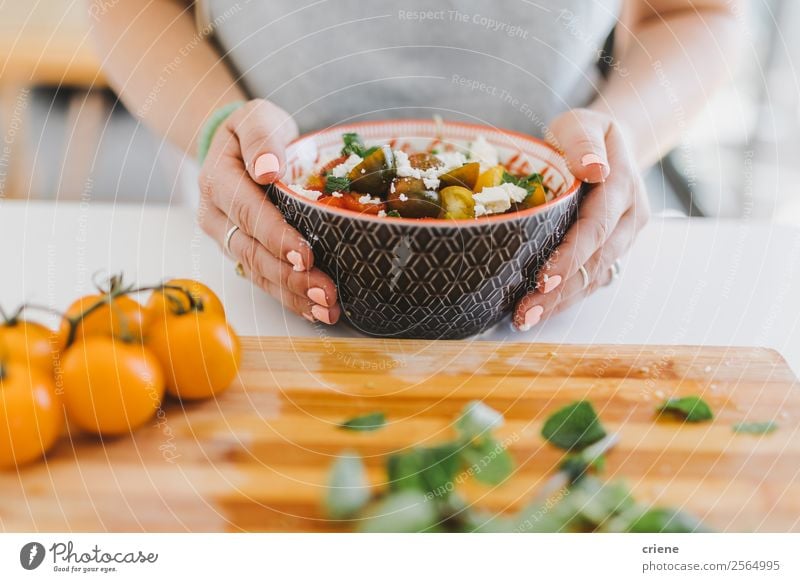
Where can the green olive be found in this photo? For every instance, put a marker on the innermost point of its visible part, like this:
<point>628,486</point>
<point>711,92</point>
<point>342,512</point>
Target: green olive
<point>375,173</point>
<point>466,176</point>
<point>424,161</point>
<point>458,203</point>
<point>411,199</point>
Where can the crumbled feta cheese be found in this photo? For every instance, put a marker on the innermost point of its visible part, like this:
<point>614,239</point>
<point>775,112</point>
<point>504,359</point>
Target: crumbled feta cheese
<point>337,194</point>
<point>480,209</point>
<point>494,200</point>
<point>381,213</point>
<point>344,168</point>
<point>392,188</point>
<point>516,193</point>
<point>482,151</point>
<point>305,193</point>
<point>367,199</point>
<point>403,198</point>
<point>403,165</point>
<point>450,161</point>
<point>431,183</point>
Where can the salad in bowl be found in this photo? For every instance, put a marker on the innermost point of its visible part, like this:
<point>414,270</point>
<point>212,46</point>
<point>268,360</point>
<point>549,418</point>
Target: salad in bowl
<point>428,229</point>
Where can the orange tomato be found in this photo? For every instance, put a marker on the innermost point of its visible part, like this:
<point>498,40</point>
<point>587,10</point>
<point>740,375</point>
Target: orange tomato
<point>351,203</point>
<point>126,315</point>
<point>199,353</point>
<point>169,301</point>
<point>490,178</point>
<point>111,387</point>
<point>29,343</point>
<point>30,414</point>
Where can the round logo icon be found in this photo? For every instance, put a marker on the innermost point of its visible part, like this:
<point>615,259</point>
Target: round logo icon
<point>31,555</point>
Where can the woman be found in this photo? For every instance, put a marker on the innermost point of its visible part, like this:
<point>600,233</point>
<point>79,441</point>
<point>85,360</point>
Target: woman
<point>530,66</point>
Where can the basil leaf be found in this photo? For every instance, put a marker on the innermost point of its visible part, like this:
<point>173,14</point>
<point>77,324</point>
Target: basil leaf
<point>366,422</point>
<point>402,512</point>
<point>664,520</point>
<point>353,144</point>
<point>765,427</point>
<point>574,427</point>
<point>477,418</point>
<point>334,184</point>
<point>348,488</point>
<point>393,214</point>
<point>428,470</point>
<point>488,461</point>
<point>690,408</point>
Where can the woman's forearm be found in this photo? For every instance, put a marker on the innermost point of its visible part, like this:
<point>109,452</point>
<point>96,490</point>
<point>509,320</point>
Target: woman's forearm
<point>166,73</point>
<point>677,53</point>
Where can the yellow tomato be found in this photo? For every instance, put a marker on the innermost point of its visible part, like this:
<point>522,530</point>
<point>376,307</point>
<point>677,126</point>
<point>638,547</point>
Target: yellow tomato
<point>199,353</point>
<point>170,301</point>
<point>126,316</point>
<point>29,343</point>
<point>490,178</point>
<point>30,414</point>
<point>111,387</point>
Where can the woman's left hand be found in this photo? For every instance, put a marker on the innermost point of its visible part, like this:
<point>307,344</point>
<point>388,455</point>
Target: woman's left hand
<point>610,216</point>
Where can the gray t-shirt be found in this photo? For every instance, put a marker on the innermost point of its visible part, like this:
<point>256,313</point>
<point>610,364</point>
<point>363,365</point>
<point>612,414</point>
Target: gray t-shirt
<point>508,63</point>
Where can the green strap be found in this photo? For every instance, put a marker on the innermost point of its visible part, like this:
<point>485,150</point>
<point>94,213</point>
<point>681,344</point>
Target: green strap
<point>211,126</point>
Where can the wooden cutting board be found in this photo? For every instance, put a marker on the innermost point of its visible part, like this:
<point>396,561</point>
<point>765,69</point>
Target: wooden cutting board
<point>258,457</point>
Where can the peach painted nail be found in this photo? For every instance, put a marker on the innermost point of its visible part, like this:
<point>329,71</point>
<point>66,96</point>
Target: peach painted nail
<point>296,259</point>
<point>321,313</point>
<point>590,160</point>
<point>550,282</point>
<point>266,164</point>
<point>309,317</point>
<point>317,295</point>
<point>532,317</point>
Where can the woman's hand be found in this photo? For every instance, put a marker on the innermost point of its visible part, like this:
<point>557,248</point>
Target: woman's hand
<point>610,217</point>
<point>247,152</point>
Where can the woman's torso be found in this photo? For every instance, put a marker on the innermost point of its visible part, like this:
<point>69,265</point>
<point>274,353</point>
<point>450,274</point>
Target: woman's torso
<point>513,64</point>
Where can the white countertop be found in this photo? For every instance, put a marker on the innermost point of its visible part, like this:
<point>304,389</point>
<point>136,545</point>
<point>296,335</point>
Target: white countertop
<point>687,281</point>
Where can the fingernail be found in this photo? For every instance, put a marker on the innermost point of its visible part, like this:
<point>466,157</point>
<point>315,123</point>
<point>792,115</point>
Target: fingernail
<point>296,259</point>
<point>321,313</point>
<point>532,317</point>
<point>266,164</point>
<point>550,282</point>
<point>590,160</point>
<point>317,295</point>
<point>309,317</point>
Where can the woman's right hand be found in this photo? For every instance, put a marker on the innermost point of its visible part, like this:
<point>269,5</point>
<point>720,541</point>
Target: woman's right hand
<point>247,152</point>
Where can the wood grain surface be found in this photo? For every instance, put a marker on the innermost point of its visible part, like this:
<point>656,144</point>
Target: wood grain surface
<point>257,458</point>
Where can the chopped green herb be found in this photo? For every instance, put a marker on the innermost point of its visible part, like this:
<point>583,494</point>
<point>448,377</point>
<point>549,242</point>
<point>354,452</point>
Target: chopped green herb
<point>402,512</point>
<point>663,520</point>
<point>353,144</point>
<point>348,489</point>
<point>488,461</point>
<point>477,419</point>
<point>393,214</point>
<point>334,184</point>
<point>574,427</point>
<point>690,408</point>
<point>366,422</point>
<point>765,427</point>
<point>429,470</point>
<point>528,182</point>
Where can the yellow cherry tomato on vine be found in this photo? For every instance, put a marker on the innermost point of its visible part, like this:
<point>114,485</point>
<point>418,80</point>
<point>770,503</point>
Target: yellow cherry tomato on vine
<point>199,353</point>
<point>111,387</point>
<point>30,414</point>
<point>172,301</point>
<point>126,317</point>
<point>28,343</point>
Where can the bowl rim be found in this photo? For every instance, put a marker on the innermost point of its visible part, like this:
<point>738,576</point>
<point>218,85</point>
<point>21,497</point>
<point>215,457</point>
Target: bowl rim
<point>462,223</point>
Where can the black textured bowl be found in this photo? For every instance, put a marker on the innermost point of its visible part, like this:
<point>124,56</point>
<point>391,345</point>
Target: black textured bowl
<point>445,279</point>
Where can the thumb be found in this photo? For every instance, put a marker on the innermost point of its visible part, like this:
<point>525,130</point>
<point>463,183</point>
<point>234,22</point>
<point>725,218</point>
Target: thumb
<point>581,135</point>
<point>263,130</point>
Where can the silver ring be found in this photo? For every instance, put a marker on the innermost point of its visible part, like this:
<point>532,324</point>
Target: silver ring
<point>585,275</point>
<point>228,236</point>
<point>616,267</point>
